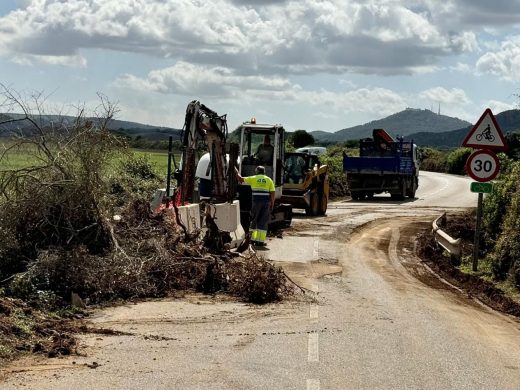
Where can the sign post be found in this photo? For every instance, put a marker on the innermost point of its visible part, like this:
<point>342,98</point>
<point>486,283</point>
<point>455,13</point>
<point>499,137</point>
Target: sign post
<point>476,239</point>
<point>483,165</point>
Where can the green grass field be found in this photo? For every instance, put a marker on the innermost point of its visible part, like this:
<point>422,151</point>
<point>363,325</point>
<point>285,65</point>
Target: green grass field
<point>16,158</point>
<point>22,157</point>
<point>158,158</point>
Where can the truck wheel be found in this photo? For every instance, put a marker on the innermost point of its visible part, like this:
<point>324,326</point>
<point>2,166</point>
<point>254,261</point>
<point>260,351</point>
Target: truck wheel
<point>404,190</point>
<point>358,195</point>
<point>411,192</point>
<point>323,204</point>
<point>402,194</point>
<point>412,189</point>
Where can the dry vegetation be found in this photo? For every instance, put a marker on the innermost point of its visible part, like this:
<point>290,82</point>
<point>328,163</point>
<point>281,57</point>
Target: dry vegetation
<point>58,235</point>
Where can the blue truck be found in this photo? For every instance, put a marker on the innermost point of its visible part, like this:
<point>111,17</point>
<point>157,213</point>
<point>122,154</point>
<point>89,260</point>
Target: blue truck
<point>383,165</point>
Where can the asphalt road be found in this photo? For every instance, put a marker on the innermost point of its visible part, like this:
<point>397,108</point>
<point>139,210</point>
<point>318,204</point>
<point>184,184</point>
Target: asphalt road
<point>373,318</point>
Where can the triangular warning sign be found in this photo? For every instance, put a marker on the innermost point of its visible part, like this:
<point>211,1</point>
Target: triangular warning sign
<point>486,134</point>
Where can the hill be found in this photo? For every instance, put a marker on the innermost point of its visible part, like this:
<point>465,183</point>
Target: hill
<point>409,121</point>
<point>509,121</point>
<point>126,128</point>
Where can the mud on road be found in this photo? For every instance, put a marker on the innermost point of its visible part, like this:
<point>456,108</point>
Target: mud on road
<point>366,257</point>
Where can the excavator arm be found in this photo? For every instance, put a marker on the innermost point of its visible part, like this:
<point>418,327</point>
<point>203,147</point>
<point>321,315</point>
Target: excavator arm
<point>202,124</point>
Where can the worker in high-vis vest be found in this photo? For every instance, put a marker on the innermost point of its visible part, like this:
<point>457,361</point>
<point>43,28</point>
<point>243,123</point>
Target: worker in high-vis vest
<point>263,191</point>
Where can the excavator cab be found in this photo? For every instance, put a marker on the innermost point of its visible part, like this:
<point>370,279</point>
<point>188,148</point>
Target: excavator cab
<point>262,145</point>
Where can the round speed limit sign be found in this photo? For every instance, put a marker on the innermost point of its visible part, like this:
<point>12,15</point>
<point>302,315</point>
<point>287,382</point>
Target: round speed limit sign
<point>483,165</point>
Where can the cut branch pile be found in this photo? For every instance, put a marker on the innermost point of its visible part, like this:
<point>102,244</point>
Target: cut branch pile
<point>151,258</point>
<point>58,235</point>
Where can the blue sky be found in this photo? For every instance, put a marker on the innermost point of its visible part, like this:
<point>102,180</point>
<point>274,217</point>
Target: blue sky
<point>308,64</point>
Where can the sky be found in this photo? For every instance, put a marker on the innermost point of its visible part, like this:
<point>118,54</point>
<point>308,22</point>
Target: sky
<point>307,64</point>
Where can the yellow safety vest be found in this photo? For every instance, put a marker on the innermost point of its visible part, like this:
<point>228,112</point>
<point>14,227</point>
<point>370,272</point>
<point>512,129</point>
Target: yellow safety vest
<point>261,186</point>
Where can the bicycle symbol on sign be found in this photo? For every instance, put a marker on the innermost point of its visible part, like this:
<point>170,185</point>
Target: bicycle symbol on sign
<point>486,134</point>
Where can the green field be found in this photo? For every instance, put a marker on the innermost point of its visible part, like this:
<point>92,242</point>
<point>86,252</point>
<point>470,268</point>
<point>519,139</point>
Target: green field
<point>16,158</point>
<point>159,159</point>
<point>23,157</point>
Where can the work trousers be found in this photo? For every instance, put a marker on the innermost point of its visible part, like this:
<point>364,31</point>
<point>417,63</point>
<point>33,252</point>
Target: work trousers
<point>259,219</point>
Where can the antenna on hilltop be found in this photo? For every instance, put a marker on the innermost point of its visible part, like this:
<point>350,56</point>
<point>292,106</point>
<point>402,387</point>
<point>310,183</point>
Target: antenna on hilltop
<point>439,113</point>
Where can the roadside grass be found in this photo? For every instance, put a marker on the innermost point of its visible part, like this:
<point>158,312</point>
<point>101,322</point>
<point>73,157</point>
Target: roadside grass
<point>484,268</point>
<point>462,226</point>
<point>485,272</point>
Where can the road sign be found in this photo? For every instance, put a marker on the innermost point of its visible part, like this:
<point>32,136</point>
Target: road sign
<point>483,165</point>
<point>486,134</point>
<point>485,188</point>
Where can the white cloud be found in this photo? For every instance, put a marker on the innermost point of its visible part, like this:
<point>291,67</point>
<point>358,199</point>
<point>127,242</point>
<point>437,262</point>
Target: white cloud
<point>453,102</point>
<point>188,79</point>
<point>498,106</point>
<point>455,96</point>
<point>385,37</point>
<point>461,67</point>
<point>465,42</point>
<point>76,61</point>
<point>193,80</point>
<point>505,62</point>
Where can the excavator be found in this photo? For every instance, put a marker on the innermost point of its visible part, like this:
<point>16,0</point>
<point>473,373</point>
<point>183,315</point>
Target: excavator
<point>212,205</point>
<point>300,180</point>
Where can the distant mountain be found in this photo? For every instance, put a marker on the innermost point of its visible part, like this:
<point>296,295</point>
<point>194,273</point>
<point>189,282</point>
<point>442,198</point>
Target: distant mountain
<point>403,123</point>
<point>509,121</point>
<point>131,129</point>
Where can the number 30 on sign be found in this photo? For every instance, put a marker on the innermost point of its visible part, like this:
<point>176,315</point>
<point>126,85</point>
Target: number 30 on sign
<point>483,165</point>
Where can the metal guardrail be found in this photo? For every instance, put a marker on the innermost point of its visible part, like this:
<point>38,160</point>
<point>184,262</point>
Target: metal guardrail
<point>444,239</point>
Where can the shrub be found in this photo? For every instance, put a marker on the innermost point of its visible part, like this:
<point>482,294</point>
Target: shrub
<point>456,161</point>
<point>432,160</point>
<point>496,204</point>
<point>338,180</point>
<point>506,253</point>
<point>300,138</point>
<point>135,177</point>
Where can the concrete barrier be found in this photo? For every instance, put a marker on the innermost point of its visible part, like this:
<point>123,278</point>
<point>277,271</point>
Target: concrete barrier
<point>227,218</point>
<point>189,215</point>
<point>445,240</point>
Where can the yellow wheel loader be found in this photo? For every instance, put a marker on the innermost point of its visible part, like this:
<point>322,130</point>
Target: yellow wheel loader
<point>306,183</point>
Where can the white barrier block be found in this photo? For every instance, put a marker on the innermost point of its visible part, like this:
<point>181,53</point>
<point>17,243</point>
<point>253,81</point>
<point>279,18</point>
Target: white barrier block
<point>190,217</point>
<point>226,215</point>
<point>227,218</point>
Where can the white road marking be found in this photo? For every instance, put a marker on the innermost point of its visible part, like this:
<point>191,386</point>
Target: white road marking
<point>313,384</point>
<point>315,252</point>
<point>313,312</point>
<point>313,353</point>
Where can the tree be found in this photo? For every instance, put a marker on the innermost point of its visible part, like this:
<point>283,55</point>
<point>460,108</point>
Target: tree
<point>301,138</point>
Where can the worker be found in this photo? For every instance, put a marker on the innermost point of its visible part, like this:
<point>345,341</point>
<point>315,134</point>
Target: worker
<point>294,167</point>
<point>263,202</point>
<point>264,152</point>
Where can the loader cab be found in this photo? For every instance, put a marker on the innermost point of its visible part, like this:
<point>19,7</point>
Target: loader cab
<point>262,144</point>
<point>297,165</point>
